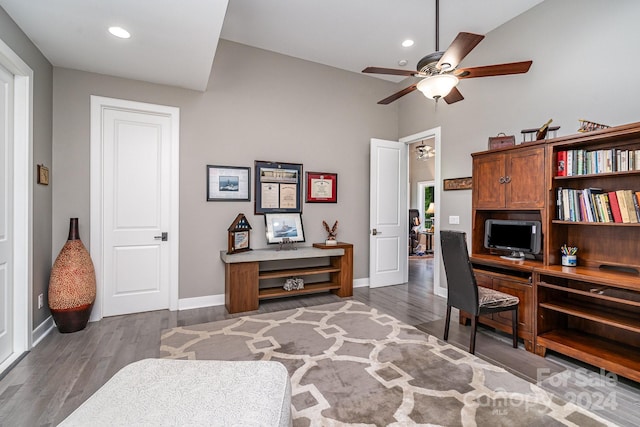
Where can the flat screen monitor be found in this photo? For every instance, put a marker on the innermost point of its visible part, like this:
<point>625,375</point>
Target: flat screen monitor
<point>517,237</point>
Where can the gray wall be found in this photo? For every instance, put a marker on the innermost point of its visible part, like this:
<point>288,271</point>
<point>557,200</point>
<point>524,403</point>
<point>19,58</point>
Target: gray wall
<point>42,118</point>
<point>259,106</point>
<point>584,62</point>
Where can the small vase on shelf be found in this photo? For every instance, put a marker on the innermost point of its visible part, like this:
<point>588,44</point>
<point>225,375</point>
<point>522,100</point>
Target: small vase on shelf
<point>72,286</point>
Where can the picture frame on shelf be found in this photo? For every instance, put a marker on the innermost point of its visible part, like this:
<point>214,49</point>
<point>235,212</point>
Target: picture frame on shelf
<point>228,183</point>
<point>322,187</point>
<point>284,227</point>
<point>278,187</point>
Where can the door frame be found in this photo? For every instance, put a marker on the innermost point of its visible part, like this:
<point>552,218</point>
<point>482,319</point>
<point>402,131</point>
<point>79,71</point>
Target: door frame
<point>22,202</point>
<point>98,104</point>
<point>421,185</point>
<point>435,133</point>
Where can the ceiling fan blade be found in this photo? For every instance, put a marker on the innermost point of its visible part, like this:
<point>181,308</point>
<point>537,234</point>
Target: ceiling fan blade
<point>403,92</point>
<point>393,71</point>
<point>454,96</point>
<point>493,70</point>
<point>459,48</point>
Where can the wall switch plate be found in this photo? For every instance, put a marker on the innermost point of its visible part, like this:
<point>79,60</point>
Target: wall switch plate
<point>454,219</point>
<point>40,301</point>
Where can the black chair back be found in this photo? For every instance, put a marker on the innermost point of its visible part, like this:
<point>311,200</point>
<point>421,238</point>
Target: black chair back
<point>413,214</point>
<point>462,286</point>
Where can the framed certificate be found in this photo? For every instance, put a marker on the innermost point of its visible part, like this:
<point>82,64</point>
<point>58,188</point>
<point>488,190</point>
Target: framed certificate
<point>278,187</point>
<point>322,187</point>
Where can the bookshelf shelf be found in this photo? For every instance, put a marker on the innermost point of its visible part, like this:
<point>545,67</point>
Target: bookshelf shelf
<point>597,175</point>
<point>606,224</point>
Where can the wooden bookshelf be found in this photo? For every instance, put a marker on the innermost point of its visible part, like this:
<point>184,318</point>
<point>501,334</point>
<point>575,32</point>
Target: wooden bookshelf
<point>590,312</point>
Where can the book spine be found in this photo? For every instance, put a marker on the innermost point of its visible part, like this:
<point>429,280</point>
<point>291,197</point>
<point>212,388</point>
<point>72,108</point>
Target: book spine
<point>615,207</point>
<point>628,199</point>
<point>562,163</point>
<point>569,165</point>
<point>601,209</point>
<point>636,205</point>
<point>624,212</point>
<point>583,207</point>
<point>607,207</point>
<point>579,162</point>
<point>565,204</point>
<point>587,205</point>
<point>559,207</point>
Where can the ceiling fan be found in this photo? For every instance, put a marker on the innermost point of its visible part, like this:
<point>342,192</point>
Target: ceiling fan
<point>438,69</point>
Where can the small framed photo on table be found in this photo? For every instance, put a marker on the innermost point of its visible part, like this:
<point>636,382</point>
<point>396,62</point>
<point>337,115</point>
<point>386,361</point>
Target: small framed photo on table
<point>284,227</point>
<point>322,187</point>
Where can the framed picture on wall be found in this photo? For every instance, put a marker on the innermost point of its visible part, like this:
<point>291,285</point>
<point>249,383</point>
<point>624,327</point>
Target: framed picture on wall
<point>228,183</point>
<point>322,187</point>
<point>277,187</point>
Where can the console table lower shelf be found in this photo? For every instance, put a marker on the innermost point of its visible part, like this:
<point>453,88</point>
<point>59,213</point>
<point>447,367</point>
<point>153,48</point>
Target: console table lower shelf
<point>245,270</point>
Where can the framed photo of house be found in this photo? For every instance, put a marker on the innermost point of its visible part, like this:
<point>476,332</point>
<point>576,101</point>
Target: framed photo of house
<point>322,187</point>
<point>281,226</point>
<point>228,183</point>
<point>278,187</point>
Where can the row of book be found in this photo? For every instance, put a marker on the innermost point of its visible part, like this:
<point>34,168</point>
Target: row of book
<point>583,162</point>
<point>597,205</point>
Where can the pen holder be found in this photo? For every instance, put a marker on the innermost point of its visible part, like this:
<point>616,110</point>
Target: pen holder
<point>569,260</point>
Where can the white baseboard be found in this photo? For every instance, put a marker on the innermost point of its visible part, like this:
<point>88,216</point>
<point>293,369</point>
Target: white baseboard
<point>199,302</point>
<point>361,283</point>
<point>42,331</point>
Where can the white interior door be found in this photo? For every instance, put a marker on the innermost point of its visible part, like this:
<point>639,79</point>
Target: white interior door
<point>138,267</point>
<point>6,217</point>
<point>388,214</point>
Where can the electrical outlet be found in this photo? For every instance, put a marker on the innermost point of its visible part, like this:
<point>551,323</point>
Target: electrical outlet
<point>40,301</point>
<point>454,219</point>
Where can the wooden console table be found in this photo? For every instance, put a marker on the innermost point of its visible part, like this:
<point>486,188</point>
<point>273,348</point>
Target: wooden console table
<point>243,272</point>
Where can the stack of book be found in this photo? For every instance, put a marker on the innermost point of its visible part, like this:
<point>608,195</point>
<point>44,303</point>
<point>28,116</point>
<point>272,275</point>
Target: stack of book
<point>583,162</point>
<point>597,205</point>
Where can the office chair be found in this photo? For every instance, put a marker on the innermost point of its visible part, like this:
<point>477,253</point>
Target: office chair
<point>463,291</point>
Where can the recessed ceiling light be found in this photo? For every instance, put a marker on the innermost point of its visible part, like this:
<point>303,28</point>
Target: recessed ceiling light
<point>403,62</point>
<point>119,32</point>
<point>407,43</point>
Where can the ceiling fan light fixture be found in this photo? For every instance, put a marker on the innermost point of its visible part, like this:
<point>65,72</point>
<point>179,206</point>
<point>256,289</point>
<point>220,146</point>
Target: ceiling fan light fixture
<point>424,152</point>
<point>438,86</point>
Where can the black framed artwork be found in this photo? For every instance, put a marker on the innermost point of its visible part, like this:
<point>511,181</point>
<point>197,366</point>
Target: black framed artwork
<point>278,187</point>
<point>228,183</point>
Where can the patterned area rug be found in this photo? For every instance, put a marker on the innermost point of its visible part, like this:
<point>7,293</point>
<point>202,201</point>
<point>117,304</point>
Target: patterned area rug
<point>351,365</point>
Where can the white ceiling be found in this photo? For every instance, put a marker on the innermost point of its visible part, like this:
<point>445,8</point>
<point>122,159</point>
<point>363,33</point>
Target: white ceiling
<point>174,41</point>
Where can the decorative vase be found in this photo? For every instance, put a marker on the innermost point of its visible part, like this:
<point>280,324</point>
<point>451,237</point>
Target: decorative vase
<point>72,286</point>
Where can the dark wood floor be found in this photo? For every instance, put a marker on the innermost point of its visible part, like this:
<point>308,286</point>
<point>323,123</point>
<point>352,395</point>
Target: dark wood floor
<point>65,369</point>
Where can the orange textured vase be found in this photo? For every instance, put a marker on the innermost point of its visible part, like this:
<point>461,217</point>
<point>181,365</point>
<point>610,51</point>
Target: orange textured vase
<point>72,286</point>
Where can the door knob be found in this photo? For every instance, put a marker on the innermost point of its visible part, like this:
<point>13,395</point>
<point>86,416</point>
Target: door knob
<point>162,237</point>
<point>375,232</point>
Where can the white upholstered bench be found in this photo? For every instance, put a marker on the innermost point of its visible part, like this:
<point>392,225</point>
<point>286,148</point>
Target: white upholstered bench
<point>162,392</point>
